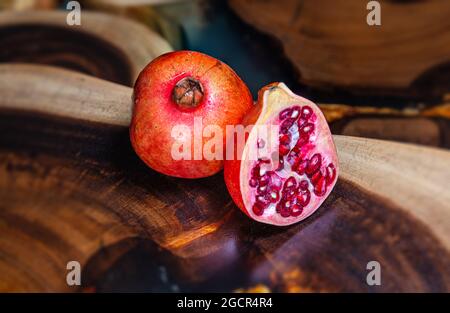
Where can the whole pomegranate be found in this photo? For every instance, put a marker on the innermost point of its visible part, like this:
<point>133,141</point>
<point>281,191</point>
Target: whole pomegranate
<point>182,100</point>
<point>290,178</point>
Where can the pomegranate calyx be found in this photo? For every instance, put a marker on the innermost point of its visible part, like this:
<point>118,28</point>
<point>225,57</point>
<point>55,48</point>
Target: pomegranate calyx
<point>188,93</point>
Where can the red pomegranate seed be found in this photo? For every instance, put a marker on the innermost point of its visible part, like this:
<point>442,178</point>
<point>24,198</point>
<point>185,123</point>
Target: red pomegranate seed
<point>294,166</point>
<point>306,130</point>
<point>316,177</point>
<point>303,185</point>
<point>253,183</point>
<point>261,190</point>
<point>284,208</point>
<point>303,197</point>
<point>263,201</point>
<point>285,213</point>
<point>264,180</point>
<point>255,171</point>
<point>284,149</point>
<point>314,164</point>
<point>295,113</point>
<point>274,196</point>
<point>286,125</point>
<point>302,140</point>
<point>302,166</point>
<point>257,210</point>
<point>289,194</point>
<point>331,173</point>
<point>278,207</point>
<point>301,122</point>
<point>296,210</point>
<point>306,112</point>
<point>285,113</point>
<point>290,183</point>
<point>285,139</point>
<point>321,187</point>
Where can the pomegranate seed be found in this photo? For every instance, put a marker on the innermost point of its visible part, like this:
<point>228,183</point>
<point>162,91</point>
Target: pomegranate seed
<point>285,113</point>
<point>306,130</point>
<point>283,208</point>
<point>261,190</point>
<point>285,139</point>
<point>302,166</point>
<point>290,183</point>
<point>295,165</point>
<point>283,150</point>
<point>303,185</point>
<point>264,180</point>
<point>278,207</point>
<point>274,196</point>
<point>321,187</point>
<point>262,201</point>
<point>301,122</point>
<point>296,210</point>
<point>314,164</point>
<point>282,211</point>
<point>285,212</point>
<point>302,140</point>
<point>303,197</point>
<point>316,177</point>
<point>306,112</point>
<point>289,194</point>
<point>257,210</point>
<point>295,112</point>
<point>331,173</point>
<point>286,125</point>
<point>253,182</point>
<point>255,171</point>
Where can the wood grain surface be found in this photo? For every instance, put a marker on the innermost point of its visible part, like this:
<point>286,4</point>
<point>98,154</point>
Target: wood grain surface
<point>104,45</point>
<point>72,188</point>
<point>429,126</point>
<point>331,45</point>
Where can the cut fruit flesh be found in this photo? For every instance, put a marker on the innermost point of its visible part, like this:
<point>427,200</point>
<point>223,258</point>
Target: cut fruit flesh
<point>287,190</point>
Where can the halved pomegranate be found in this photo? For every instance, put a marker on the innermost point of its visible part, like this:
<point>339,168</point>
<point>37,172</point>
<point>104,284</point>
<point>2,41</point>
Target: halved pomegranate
<point>287,181</point>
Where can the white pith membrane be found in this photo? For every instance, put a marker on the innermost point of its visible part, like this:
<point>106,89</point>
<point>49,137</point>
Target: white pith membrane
<point>279,98</point>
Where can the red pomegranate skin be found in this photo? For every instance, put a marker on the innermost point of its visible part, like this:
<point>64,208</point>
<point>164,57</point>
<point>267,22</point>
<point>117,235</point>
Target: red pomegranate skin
<point>233,166</point>
<point>225,101</point>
